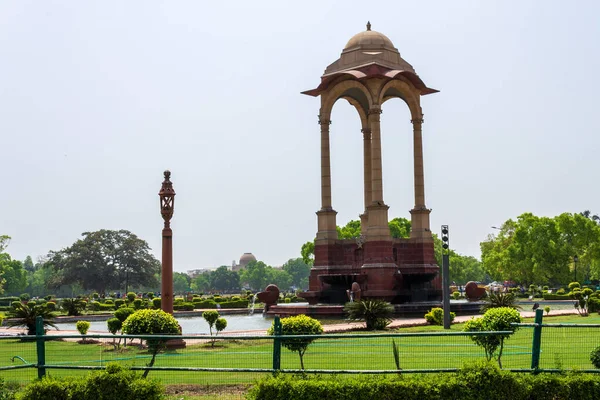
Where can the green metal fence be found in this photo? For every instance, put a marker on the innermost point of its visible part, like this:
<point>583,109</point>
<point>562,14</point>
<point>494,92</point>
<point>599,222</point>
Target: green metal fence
<point>232,360</point>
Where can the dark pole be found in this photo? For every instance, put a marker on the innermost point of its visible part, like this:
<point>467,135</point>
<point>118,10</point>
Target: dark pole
<point>167,205</point>
<point>446,275</point>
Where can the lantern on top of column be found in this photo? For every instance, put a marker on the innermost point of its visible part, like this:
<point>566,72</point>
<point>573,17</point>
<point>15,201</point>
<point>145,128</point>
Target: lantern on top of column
<point>167,199</point>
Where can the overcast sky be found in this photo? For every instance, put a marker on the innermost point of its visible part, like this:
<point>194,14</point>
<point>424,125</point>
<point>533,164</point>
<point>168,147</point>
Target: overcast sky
<point>97,98</point>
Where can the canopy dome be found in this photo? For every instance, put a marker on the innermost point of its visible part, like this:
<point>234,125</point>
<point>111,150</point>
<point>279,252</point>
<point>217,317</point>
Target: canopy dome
<point>369,39</point>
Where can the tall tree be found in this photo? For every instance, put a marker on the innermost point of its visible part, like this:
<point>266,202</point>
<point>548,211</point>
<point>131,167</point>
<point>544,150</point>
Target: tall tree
<point>105,259</point>
<point>28,264</point>
<point>14,275</point>
<point>181,282</point>
<point>224,279</point>
<point>255,275</point>
<point>298,270</point>
<point>201,282</point>
<point>541,250</point>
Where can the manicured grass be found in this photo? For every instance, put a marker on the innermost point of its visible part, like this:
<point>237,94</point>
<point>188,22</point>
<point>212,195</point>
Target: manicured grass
<point>565,347</point>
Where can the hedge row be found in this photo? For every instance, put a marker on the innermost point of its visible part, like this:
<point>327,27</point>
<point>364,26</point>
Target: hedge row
<point>7,301</point>
<point>478,381</point>
<point>113,383</point>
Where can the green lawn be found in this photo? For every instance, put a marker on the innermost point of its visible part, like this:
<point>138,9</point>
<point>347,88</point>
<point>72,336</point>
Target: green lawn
<point>565,347</point>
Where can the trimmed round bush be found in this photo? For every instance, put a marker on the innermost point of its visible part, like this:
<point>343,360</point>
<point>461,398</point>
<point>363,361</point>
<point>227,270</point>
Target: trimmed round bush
<point>137,304</point>
<point>436,316</point>
<point>131,296</point>
<point>114,325</point>
<point>456,295</point>
<point>298,325</point>
<point>156,303</point>
<point>82,327</point>
<point>123,313</point>
<point>119,303</point>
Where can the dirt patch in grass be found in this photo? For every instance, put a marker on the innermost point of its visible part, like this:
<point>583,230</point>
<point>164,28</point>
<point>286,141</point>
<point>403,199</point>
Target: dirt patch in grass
<point>227,391</point>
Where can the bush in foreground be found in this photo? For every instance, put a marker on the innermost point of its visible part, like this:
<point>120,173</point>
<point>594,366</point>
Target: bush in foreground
<point>151,322</point>
<point>298,325</point>
<point>477,381</point>
<point>115,383</point>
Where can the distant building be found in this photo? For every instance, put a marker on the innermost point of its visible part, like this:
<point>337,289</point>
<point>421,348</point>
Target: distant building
<point>192,273</point>
<point>245,259</point>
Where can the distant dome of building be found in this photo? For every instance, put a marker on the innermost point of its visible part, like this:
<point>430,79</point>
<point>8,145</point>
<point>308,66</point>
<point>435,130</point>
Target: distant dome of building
<point>246,258</point>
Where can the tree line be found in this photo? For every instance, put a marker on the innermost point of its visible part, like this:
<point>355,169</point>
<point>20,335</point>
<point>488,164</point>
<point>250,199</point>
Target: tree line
<point>545,250</point>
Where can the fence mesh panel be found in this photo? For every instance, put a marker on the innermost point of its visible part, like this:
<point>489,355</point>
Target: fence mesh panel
<point>568,346</point>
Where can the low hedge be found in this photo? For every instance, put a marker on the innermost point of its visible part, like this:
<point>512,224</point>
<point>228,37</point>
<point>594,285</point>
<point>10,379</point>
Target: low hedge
<point>477,381</point>
<point>113,383</point>
<point>549,296</point>
<point>183,307</point>
<point>7,301</point>
<point>225,304</point>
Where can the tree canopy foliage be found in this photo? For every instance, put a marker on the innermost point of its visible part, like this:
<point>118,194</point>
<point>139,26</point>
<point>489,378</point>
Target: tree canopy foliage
<point>105,259</point>
<point>542,250</point>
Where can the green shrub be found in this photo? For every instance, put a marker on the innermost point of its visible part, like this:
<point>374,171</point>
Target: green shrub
<point>494,319</point>
<point>73,307</point>
<point>456,295</point>
<point>82,327</point>
<point>151,322</point>
<point>114,325</point>
<point>131,296</point>
<point>123,313</point>
<point>205,304</point>
<point>211,318</point>
<point>49,389</point>
<point>298,325</point>
<point>95,295</point>
<point>119,303</point>
<point>546,288</point>
<point>94,306</point>
<point>499,299</point>
<point>7,391</point>
<point>106,307</point>
<point>377,314</point>
<point>1,319</point>
<point>7,301</point>
<point>560,291</point>
<point>24,297</point>
<point>183,306</point>
<point>287,300</point>
<point>436,316</point>
<point>156,303</point>
<point>574,285</point>
<point>150,295</point>
<point>595,357</point>
<point>550,296</point>
<point>109,301</point>
<point>547,309</point>
<point>137,304</point>
<point>113,383</point>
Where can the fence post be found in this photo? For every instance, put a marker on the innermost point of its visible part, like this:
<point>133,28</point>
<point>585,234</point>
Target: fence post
<point>40,346</point>
<point>277,344</point>
<point>537,340</point>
